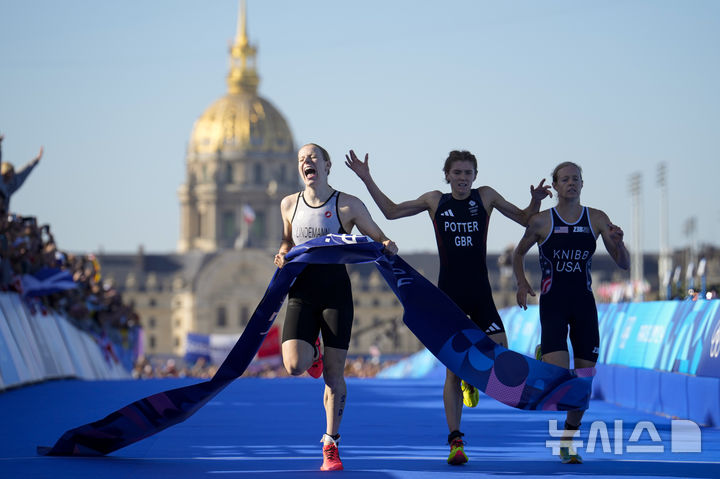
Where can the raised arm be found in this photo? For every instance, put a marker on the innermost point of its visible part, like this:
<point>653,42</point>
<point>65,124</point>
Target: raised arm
<point>494,199</point>
<point>25,170</point>
<point>22,174</point>
<point>612,236</point>
<point>354,213</point>
<point>287,205</point>
<point>532,236</point>
<point>391,210</point>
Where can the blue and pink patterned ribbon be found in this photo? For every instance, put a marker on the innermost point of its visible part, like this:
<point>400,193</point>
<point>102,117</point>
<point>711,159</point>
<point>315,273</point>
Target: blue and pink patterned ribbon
<point>509,377</point>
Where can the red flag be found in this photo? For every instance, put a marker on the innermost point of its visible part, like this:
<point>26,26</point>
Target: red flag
<point>271,344</point>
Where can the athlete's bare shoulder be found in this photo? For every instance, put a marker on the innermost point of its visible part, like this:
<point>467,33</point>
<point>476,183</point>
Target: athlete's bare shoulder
<point>596,213</point>
<point>488,194</point>
<point>351,208</point>
<point>539,225</point>
<point>598,219</point>
<point>347,200</point>
<point>539,219</point>
<point>430,201</point>
<point>431,198</point>
<point>288,203</point>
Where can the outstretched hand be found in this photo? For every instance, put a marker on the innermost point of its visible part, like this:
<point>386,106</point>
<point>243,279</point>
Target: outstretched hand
<point>521,295</point>
<point>540,192</point>
<point>361,168</point>
<point>39,155</point>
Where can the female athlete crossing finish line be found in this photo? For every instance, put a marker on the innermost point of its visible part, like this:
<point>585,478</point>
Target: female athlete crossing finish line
<point>566,237</point>
<point>320,299</point>
<point>505,375</point>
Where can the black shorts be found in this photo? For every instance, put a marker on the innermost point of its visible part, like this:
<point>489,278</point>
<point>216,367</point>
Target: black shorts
<point>480,307</point>
<point>320,300</point>
<point>576,312</point>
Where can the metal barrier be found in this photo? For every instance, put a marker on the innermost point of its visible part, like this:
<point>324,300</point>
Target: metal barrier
<point>37,346</point>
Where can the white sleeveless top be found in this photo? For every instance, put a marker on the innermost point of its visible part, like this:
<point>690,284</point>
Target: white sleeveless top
<point>309,222</point>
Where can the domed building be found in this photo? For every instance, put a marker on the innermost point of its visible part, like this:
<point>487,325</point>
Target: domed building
<point>241,161</point>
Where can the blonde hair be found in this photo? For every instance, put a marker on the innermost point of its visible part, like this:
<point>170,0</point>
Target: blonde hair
<point>322,150</point>
<point>6,168</point>
<point>563,165</point>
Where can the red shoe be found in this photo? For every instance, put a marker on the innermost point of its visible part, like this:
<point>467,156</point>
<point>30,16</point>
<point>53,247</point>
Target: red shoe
<point>331,458</point>
<point>316,369</point>
<point>457,452</point>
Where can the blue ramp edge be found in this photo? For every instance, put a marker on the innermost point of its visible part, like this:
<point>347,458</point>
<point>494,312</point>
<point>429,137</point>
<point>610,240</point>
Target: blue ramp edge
<point>668,394</point>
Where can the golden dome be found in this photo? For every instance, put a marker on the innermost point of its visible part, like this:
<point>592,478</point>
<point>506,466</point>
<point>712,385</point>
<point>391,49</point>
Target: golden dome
<point>241,120</point>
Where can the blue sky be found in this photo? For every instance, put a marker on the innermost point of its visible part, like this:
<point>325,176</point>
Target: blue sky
<point>111,89</point>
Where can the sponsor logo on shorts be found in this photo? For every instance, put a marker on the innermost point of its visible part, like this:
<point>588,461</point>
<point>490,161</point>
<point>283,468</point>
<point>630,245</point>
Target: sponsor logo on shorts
<point>493,328</point>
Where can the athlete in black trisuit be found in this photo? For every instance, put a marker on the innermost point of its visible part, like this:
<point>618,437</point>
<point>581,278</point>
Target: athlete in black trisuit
<point>461,233</point>
<point>566,237</point>
<point>461,220</point>
<point>320,299</point>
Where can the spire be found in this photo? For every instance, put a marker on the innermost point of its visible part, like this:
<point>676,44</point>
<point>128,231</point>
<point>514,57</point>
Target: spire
<point>243,77</point>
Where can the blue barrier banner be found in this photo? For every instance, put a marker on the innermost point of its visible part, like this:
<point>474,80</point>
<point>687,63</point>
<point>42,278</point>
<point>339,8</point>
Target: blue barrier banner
<point>673,354</point>
<point>708,361</point>
<point>197,346</point>
<point>440,325</point>
<point>522,327</point>
<point>670,336</point>
<point>214,348</point>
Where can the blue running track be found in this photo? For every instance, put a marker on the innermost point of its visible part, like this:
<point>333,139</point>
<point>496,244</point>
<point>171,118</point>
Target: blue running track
<point>272,428</point>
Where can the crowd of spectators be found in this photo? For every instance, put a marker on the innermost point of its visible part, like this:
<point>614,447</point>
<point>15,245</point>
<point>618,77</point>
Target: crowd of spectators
<point>148,368</point>
<point>67,283</point>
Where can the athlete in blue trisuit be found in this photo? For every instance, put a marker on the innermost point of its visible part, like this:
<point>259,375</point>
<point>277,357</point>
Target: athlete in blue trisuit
<point>461,220</point>
<point>566,237</point>
<point>320,299</point>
